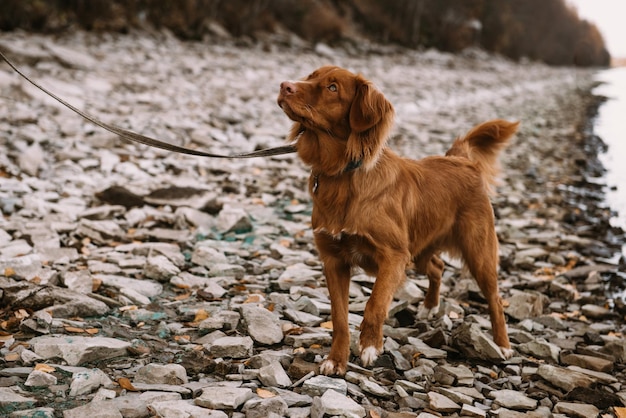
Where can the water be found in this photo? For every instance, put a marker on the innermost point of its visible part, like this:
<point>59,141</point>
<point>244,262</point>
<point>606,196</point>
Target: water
<point>610,125</point>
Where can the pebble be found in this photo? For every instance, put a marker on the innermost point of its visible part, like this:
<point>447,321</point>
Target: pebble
<point>198,282</point>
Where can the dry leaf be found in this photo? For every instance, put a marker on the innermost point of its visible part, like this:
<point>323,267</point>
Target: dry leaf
<point>315,346</point>
<point>201,315</point>
<point>21,314</point>
<point>128,308</point>
<point>8,272</point>
<point>183,296</point>
<point>265,394</point>
<point>92,331</point>
<point>327,325</point>
<point>74,329</point>
<point>126,384</point>
<point>12,357</point>
<point>46,368</point>
<point>374,414</point>
<point>95,284</point>
<point>620,412</point>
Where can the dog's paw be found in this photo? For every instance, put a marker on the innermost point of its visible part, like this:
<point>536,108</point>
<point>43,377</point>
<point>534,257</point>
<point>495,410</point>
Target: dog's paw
<point>507,353</point>
<point>424,313</point>
<point>369,355</point>
<point>330,367</point>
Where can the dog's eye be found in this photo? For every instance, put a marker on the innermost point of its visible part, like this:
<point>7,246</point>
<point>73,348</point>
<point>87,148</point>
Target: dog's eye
<point>332,87</point>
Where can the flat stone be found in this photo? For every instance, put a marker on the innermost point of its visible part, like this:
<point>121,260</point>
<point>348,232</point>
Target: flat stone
<point>79,350</point>
<point>564,378</point>
<point>274,375</point>
<point>10,401</point>
<point>318,385</point>
<point>176,409</point>
<point>513,399</point>
<point>263,408</point>
<point>263,326</point>
<point>232,347</point>
<point>577,410</point>
<point>40,379</point>
<point>168,374</point>
<point>332,403</point>
<point>220,397</point>
<point>440,403</point>
<point>85,382</point>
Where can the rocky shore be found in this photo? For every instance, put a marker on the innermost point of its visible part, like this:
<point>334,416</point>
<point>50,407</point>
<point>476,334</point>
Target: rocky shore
<point>136,282</point>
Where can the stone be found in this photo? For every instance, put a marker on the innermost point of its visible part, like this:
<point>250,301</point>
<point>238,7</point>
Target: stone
<point>219,397</point>
<point>332,403</point>
<point>232,347</point>
<point>577,410</point>
<point>79,350</point>
<point>263,408</point>
<point>85,382</point>
<point>40,379</point>
<point>473,342</point>
<point>540,348</point>
<point>175,409</point>
<point>263,326</point>
<point>168,374</point>
<point>318,385</point>
<point>513,399</point>
<point>564,378</point>
<point>274,375</point>
<point>441,403</point>
<point>160,268</point>
<point>522,305</point>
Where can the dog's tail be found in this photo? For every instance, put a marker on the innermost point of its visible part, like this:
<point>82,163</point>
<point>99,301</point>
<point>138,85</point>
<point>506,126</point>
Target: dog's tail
<point>482,144</point>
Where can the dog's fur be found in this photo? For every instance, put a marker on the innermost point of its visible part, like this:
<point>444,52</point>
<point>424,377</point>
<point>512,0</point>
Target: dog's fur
<point>378,211</point>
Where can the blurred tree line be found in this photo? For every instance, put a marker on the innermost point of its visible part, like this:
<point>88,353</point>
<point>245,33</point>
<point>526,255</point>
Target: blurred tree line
<point>542,30</point>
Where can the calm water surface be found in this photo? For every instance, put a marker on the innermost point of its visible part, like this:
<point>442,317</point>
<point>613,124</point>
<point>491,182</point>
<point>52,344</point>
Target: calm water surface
<point>610,125</point>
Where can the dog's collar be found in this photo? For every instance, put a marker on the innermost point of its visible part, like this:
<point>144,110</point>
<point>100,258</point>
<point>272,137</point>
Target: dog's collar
<point>352,165</point>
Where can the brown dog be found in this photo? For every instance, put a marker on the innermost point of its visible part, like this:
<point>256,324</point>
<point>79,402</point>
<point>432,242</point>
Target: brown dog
<point>378,211</point>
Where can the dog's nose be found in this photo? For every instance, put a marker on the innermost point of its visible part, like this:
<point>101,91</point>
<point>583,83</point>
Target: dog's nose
<point>287,88</point>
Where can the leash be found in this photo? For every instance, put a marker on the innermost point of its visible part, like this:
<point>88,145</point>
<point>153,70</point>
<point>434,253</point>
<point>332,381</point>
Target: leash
<point>146,140</point>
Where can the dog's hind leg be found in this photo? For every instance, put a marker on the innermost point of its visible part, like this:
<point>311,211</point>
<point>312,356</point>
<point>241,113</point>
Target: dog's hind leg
<point>482,261</point>
<point>432,267</point>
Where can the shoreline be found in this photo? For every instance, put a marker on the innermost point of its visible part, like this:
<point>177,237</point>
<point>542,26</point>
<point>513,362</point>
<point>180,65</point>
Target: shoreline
<point>197,250</point>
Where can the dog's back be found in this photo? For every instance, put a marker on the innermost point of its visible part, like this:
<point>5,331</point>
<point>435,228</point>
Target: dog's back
<point>482,145</point>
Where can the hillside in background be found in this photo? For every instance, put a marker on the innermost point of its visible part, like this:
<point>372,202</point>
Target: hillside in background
<point>542,30</point>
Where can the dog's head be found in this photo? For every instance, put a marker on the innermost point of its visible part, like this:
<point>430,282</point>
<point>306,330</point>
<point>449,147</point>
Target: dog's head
<point>347,117</point>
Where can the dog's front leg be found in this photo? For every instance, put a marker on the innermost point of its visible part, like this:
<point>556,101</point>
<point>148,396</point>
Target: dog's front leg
<point>391,273</point>
<point>338,282</point>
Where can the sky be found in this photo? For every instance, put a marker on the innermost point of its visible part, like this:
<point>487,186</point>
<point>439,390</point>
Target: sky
<point>609,17</point>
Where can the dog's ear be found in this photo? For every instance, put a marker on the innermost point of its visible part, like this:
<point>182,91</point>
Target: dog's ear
<point>371,117</point>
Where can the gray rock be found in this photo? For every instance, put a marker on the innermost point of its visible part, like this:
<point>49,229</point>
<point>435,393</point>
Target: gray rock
<point>526,304</point>
<point>576,410</point>
<point>262,408</point>
<point>87,381</point>
<point>232,347</point>
<point>33,413</point>
<point>168,374</point>
<point>564,378</point>
<point>318,385</point>
<point>160,268</point>
<point>332,403</point>
<point>513,399</point>
<point>79,350</point>
<point>274,375</point>
<point>470,339</point>
<point>441,403</point>
<point>176,409</point>
<point>95,409</point>
<point>40,379</point>
<point>263,326</point>
<point>540,348</point>
<point>219,397</point>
